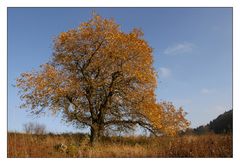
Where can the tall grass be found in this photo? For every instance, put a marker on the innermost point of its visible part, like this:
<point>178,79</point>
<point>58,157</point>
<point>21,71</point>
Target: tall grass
<point>27,145</point>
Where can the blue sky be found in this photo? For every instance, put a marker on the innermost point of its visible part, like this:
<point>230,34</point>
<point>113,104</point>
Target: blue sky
<point>192,54</point>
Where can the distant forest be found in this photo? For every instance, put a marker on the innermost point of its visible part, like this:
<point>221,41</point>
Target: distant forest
<point>222,124</point>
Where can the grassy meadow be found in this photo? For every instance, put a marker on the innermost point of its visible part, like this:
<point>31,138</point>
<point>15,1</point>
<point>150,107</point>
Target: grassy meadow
<point>77,145</point>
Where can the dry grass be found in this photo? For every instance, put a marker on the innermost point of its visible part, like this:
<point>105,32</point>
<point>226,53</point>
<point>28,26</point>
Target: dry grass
<point>23,145</point>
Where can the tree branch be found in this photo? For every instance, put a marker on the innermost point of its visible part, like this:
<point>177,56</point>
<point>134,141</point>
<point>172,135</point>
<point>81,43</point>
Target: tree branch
<point>140,123</point>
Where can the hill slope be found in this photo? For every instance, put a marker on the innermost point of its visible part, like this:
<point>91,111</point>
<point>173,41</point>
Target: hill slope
<point>222,124</point>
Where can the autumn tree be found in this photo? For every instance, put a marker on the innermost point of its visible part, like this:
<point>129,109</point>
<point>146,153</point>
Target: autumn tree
<point>99,77</point>
<point>173,120</point>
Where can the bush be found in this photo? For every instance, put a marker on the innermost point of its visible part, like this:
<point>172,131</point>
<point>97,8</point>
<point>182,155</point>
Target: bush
<point>34,128</point>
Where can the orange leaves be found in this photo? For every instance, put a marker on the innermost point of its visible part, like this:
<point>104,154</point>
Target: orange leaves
<point>63,37</point>
<point>118,51</point>
<point>164,117</point>
<point>174,119</point>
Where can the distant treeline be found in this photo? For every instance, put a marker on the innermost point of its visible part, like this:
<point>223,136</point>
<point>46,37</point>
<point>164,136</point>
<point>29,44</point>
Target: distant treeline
<point>222,124</point>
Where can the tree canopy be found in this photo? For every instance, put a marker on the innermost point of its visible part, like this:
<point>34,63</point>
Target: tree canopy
<point>102,78</point>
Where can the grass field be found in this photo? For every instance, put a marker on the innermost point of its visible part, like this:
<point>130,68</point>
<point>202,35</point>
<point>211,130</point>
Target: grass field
<point>74,145</point>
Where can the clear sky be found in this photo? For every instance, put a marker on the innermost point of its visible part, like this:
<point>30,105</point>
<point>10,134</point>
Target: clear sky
<point>192,53</point>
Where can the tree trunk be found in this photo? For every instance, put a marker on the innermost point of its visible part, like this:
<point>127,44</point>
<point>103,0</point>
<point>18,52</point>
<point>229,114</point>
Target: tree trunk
<point>92,136</point>
<point>96,134</point>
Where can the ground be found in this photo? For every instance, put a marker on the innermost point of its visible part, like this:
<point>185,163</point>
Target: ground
<point>77,145</point>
